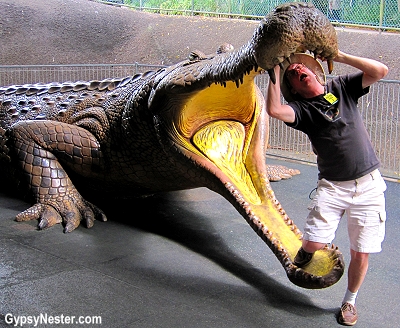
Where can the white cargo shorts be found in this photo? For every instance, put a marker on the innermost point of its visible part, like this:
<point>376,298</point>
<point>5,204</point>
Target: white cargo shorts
<point>362,200</point>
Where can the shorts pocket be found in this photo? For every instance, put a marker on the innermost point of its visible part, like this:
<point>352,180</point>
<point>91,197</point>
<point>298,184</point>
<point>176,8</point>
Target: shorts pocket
<point>382,216</point>
<point>369,219</point>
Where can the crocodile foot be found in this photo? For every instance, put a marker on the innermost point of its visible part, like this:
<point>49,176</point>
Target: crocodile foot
<point>68,212</point>
<point>279,172</point>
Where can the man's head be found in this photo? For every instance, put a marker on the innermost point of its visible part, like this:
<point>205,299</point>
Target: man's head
<point>302,75</point>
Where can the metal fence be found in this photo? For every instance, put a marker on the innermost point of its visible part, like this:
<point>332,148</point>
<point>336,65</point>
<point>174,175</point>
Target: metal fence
<point>381,14</point>
<point>10,75</point>
<point>380,109</point>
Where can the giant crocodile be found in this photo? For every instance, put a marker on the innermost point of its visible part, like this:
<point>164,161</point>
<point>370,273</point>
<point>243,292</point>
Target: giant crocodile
<point>199,123</point>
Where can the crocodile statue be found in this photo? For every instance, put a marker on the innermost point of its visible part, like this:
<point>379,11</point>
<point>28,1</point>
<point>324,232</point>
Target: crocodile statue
<point>199,123</point>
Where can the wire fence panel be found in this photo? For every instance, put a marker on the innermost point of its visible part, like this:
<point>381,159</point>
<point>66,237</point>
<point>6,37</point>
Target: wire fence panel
<point>14,75</point>
<point>382,14</point>
<point>380,109</point>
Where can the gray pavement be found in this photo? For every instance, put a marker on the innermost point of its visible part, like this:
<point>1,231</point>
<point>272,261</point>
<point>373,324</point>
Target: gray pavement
<point>182,259</point>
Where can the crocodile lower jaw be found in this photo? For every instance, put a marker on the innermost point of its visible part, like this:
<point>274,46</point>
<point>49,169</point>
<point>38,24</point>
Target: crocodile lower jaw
<point>224,144</point>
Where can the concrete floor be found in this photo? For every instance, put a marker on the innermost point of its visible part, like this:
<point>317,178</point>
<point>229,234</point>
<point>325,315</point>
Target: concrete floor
<point>183,259</point>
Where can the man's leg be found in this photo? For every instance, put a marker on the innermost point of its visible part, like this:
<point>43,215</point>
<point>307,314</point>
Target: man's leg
<point>312,246</point>
<point>357,270</point>
<point>356,273</point>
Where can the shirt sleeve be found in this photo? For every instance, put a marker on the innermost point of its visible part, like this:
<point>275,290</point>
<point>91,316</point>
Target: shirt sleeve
<point>352,84</point>
<point>298,116</point>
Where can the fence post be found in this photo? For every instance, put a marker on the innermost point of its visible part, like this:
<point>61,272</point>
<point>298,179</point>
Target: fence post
<point>381,13</point>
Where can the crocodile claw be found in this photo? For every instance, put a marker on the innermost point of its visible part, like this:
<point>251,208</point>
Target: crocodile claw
<point>48,216</point>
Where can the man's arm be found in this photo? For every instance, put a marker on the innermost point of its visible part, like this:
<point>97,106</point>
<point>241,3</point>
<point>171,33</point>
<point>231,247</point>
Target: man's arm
<point>274,106</point>
<point>373,70</point>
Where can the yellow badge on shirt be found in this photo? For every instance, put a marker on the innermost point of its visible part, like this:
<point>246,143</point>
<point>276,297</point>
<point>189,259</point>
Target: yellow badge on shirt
<point>330,98</point>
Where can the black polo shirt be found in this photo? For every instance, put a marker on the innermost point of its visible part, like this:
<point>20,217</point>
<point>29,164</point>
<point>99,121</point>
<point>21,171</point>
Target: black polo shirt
<point>343,148</point>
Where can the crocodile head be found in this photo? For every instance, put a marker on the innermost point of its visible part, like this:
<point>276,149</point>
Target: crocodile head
<point>209,111</point>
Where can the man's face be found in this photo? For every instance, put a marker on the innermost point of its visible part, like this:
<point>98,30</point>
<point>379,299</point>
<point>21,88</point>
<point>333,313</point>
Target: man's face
<point>300,77</point>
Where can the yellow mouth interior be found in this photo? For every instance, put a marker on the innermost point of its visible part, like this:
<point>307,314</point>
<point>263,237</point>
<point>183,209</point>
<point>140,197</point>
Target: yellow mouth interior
<point>223,142</point>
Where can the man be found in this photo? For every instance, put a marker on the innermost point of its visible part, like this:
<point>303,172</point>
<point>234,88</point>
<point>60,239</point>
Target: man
<point>349,180</point>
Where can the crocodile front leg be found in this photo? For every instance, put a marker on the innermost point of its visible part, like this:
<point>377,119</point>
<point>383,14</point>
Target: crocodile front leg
<point>37,146</point>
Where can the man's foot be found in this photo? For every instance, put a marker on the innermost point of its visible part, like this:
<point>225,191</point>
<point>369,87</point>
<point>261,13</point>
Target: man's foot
<point>348,315</point>
<point>302,258</point>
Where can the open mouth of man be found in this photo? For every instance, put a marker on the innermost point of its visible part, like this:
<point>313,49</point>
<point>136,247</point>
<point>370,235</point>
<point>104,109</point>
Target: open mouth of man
<point>303,76</point>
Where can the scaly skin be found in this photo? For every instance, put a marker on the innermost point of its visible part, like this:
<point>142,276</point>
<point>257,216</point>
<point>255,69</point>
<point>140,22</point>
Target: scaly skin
<point>199,123</point>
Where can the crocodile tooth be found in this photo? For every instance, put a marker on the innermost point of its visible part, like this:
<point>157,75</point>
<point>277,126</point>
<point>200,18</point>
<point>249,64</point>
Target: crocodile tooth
<point>330,66</point>
<point>272,75</point>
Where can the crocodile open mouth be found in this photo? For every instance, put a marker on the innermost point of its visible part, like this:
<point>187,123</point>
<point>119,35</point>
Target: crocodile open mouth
<point>226,126</point>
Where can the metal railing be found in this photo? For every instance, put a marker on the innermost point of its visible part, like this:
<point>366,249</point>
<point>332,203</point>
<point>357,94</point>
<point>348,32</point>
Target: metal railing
<point>13,74</point>
<point>380,109</point>
<point>380,14</point>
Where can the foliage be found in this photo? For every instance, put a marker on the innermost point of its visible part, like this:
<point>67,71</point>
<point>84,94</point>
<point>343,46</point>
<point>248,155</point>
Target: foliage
<point>362,12</point>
